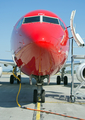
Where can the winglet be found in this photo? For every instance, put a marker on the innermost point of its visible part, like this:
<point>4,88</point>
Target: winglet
<point>76,36</point>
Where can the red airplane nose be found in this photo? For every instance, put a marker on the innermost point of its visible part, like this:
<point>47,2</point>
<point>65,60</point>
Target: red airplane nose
<point>42,34</point>
<point>42,39</point>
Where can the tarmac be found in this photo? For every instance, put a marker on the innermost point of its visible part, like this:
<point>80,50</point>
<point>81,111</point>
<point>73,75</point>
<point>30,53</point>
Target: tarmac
<point>56,100</point>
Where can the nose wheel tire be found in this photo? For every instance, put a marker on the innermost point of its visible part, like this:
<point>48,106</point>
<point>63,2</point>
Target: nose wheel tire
<point>19,76</point>
<point>65,80</point>
<point>35,96</point>
<point>43,96</point>
<point>58,80</point>
<point>11,79</point>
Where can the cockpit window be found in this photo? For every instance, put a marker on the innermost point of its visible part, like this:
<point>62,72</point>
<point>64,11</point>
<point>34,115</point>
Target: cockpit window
<point>62,25</point>
<point>42,19</point>
<point>39,19</point>
<point>31,19</point>
<point>19,23</point>
<point>50,20</point>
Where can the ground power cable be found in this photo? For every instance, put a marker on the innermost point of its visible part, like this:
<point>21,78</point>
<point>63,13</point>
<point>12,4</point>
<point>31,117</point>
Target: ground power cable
<point>47,112</point>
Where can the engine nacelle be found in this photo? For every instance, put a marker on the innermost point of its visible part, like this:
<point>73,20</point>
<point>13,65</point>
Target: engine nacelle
<point>80,72</point>
<point>0,71</point>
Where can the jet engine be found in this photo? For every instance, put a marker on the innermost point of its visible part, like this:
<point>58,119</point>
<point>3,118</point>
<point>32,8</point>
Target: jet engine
<point>80,72</point>
<point>0,71</point>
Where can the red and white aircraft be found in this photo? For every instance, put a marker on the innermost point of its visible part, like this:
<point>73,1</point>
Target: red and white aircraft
<point>40,46</point>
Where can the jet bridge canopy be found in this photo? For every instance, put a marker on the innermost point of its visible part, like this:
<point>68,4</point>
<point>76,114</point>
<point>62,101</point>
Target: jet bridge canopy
<point>76,36</point>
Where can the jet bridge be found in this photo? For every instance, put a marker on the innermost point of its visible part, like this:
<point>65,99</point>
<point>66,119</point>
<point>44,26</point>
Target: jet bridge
<point>80,43</point>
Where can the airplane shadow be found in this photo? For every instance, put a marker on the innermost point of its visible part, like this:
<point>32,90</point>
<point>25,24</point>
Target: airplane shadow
<point>75,85</point>
<point>57,96</point>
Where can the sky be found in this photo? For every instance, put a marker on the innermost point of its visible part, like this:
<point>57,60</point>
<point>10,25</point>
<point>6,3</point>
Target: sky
<point>12,10</point>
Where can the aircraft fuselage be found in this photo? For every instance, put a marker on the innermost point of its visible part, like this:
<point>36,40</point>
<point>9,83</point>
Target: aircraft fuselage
<point>40,43</point>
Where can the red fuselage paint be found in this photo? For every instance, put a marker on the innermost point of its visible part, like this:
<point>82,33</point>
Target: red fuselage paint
<point>40,48</point>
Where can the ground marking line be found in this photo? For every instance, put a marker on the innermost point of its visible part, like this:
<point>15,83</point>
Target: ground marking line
<point>38,108</point>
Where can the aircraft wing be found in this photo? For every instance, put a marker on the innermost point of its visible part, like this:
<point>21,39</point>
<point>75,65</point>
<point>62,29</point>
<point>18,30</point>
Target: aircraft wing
<point>11,62</point>
<point>68,63</point>
<point>7,62</point>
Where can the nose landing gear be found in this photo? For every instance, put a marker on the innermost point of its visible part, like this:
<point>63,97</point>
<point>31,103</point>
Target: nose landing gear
<point>39,93</point>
